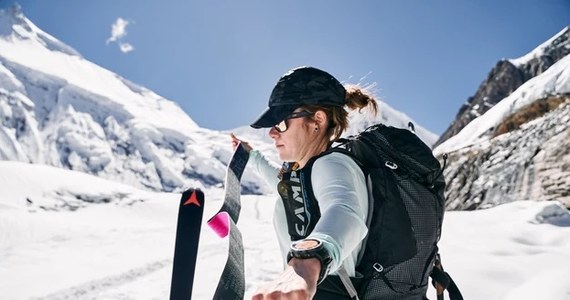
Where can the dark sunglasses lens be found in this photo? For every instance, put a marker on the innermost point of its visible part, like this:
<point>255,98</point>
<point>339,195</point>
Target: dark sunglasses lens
<point>281,126</point>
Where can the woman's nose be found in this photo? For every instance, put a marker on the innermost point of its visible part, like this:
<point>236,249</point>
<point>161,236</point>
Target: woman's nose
<point>273,133</point>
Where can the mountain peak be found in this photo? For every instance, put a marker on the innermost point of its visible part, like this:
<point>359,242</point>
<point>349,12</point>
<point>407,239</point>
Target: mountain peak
<point>16,11</point>
<point>559,42</point>
<point>9,18</point>
<point>15,27</point>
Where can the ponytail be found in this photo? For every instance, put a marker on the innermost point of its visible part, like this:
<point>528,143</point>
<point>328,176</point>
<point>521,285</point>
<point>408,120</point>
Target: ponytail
<point>356,98</point>
<point>359,98</point>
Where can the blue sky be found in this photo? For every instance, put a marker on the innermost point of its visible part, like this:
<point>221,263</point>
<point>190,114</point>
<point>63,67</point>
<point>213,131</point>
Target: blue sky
<point>220,59</point>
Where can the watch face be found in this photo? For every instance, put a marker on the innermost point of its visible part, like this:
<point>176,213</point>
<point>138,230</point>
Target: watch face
<point>306,244</point>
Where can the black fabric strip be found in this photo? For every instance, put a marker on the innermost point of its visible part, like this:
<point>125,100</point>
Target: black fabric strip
<point>232,282</point>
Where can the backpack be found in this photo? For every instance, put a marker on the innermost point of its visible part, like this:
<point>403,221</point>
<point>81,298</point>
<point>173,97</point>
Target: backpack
<point>406,207</point>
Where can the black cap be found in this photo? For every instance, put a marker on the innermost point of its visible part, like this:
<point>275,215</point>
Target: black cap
<point>300,86</point>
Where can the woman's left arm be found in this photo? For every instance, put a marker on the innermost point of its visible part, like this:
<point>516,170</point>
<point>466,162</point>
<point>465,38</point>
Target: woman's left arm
<point>340,189</point>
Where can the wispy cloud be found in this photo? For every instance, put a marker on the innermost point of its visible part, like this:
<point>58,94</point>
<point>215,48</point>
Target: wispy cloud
<point>118,33</point>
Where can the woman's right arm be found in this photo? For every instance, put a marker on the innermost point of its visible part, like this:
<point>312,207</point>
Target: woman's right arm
<point>262,166</point>
<point>266,169</point>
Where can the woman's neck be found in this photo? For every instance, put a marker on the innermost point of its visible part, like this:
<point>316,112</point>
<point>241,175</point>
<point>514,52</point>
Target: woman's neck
<point>320,147</point>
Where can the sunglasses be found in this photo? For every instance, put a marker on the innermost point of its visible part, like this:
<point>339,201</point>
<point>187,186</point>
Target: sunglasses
<point>282,126</point>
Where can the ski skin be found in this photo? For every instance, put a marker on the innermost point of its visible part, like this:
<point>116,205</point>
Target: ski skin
<point>232,281</point>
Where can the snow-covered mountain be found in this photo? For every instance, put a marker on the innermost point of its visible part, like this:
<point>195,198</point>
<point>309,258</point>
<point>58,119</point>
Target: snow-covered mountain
<point>507,76</point>
<point>59,109</point>
<point>520,147</point>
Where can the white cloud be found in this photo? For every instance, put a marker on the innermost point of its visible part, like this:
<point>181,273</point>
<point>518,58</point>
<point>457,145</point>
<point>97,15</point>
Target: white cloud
<point>118,33</point>
<point>118,30</point>
<point>126,47</point>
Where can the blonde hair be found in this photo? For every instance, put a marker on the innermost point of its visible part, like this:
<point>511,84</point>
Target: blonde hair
<point>357,97</point>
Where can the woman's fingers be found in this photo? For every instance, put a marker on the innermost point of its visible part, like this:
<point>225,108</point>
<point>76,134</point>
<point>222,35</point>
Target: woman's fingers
<point>236,141</point>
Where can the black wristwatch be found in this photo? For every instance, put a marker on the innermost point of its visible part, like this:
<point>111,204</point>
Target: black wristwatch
<point>310,248</point>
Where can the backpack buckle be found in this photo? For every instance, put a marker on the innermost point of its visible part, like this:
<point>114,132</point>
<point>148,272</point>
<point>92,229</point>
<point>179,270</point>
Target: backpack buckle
<point>391,165</point>
<point>378,267</point>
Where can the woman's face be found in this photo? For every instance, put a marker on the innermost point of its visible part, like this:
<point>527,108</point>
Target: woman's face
<point>298,142</point>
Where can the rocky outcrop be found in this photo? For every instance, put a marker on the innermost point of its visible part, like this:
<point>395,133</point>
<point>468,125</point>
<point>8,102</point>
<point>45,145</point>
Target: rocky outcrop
<point>505,78</point>
<point>529,163</point>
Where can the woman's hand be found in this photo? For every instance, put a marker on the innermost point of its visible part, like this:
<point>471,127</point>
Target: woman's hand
<point>298,281</point>
<point>236,141</point>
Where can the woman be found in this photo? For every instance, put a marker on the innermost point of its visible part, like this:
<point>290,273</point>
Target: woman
<point>306,114</point>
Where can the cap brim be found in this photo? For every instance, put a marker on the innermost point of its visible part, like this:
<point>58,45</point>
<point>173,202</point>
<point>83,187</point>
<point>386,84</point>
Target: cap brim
<point>273,115</point>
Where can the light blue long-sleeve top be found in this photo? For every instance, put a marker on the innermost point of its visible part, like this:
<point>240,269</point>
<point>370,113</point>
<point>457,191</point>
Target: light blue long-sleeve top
<point>339,187</point>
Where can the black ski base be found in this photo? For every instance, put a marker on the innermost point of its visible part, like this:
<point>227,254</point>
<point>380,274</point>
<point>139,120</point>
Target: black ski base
<point>190,214</point>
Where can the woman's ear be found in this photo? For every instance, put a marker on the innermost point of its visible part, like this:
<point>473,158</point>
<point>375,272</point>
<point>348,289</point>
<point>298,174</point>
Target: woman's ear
<point>320,118</point>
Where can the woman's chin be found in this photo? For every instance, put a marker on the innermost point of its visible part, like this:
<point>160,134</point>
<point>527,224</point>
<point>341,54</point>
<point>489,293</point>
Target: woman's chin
<point>284,157</point>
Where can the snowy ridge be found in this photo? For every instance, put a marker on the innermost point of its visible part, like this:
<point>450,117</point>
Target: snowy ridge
<point>540,50</point>
<point>54,189</point>
<point>506,77</point>
<point>387,116</point>
<point>78,77</point>
<point>554,81</point>
<point>14,25</point>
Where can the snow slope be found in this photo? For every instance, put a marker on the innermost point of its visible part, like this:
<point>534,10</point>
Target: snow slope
<point>122,248</point>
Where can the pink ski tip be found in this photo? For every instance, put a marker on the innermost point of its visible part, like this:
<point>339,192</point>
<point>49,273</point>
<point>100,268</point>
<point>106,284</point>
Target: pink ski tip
<point>220,223</point>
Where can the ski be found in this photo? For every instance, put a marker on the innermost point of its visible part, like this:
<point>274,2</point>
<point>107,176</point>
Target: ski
<point>232,281</point>
<point>190,212</point>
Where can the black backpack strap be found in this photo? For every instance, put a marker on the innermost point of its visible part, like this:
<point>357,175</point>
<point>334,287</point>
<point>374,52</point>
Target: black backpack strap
<point>301,209</point>
<point>442,281</point>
